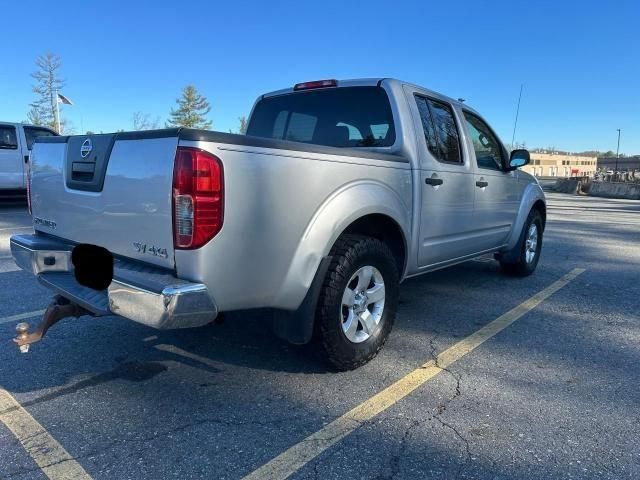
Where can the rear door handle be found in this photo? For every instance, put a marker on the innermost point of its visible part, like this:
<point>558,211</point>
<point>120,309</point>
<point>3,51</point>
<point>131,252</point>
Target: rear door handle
<point>26,159</point>
<point>482,184</point>
<point>433,181</point>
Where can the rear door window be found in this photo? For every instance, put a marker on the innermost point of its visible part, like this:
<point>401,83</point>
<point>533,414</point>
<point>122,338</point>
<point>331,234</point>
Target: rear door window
<point>8,137</point>
<point>336,117</point>
<point>440,129</point>
<point>31,133</point>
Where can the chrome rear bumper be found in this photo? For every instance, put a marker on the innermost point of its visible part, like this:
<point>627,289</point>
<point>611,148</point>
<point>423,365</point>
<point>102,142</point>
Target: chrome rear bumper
<point>139,292</point>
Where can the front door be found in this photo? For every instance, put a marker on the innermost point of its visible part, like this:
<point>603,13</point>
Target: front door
<point>497,196</point>
<point>11,161</point>
<point>446,184</point>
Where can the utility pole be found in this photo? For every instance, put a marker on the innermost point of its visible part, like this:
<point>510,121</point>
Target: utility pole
<point>617,153</point>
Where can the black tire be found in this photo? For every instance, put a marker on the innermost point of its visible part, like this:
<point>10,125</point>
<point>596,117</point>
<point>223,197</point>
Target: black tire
<point>515,263</point>
<point>350,253</point>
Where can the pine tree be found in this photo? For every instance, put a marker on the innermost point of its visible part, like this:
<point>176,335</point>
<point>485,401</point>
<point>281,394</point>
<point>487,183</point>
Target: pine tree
<point>192,110</point>
<point>48,81</point>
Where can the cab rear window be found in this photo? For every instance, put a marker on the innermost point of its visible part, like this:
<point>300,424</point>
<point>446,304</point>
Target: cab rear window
<point>8,137</point>
<point>336,117</point>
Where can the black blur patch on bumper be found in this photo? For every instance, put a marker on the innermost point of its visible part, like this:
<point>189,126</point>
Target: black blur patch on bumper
<point>93,266</point>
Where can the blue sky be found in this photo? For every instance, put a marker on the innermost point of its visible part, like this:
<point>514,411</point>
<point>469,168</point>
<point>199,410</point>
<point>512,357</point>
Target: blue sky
<point>579,60</point>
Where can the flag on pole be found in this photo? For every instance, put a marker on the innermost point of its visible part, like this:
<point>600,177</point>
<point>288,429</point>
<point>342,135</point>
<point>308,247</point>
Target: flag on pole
<point>63,99</point>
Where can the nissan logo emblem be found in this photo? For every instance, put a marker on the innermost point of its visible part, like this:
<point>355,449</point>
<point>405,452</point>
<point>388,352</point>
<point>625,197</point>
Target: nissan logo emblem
<point>86,148</point>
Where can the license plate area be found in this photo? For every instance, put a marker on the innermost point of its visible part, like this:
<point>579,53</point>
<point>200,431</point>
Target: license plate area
<point>93,266</point>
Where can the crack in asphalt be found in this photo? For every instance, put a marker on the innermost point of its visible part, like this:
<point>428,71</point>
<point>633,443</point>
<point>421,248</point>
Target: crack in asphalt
<point>461,437</point>
<point>394,461</point>
<point>137,371</point>
<point>443,406</point>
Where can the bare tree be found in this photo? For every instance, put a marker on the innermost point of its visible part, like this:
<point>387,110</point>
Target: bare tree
<point>34,117</point>
<point>243,125</point>
<point>142,121</point>
<point>48,82</point>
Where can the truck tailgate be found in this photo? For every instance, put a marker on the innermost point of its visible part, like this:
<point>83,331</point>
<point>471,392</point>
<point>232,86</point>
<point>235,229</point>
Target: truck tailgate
<point>111,190</point>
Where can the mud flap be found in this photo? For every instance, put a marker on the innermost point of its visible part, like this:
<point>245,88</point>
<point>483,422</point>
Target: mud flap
<point>297,326</point>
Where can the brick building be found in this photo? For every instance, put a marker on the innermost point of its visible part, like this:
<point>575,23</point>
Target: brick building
<point>560,165</point>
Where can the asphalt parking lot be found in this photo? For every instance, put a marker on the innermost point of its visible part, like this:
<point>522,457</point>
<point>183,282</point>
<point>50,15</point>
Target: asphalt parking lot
<point>553,394</point>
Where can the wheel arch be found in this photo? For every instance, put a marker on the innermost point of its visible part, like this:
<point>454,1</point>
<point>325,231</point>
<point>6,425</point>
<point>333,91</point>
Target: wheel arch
<point>366,207</point>
<point>379,212</point>
<point>532,198</point>
<point>385,229</point>
<point>541,207</point>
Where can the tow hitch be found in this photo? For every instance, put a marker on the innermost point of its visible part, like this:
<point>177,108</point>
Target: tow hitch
<point>58,309</point>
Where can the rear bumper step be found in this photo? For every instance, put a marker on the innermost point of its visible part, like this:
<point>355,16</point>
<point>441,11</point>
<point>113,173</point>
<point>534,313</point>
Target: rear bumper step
<point>139,292</point>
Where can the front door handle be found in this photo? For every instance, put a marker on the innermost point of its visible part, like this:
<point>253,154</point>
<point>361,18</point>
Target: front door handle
<point>26,159</point>
<point>433,181</point>
<point>482,184</point>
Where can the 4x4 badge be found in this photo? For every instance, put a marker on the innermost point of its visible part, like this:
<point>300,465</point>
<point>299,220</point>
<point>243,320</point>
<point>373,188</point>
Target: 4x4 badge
<point>151,250</point>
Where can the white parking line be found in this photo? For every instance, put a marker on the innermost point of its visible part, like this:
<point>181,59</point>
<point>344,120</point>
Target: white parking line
<point>16,228</point>
<point>21,316</point>
<point>183,353</point>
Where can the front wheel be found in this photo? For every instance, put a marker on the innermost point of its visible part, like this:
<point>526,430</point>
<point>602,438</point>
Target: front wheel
<point>358,301</point>
<point>528,248</point>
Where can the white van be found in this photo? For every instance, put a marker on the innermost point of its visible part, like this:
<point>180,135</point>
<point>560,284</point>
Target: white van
<point>16,140</point>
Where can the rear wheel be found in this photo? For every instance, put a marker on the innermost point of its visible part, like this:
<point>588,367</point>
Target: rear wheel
<point>529,248</point>
<point>358,301</point>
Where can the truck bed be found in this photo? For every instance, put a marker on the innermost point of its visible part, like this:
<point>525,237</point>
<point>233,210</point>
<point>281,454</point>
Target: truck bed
<point>274,189</point>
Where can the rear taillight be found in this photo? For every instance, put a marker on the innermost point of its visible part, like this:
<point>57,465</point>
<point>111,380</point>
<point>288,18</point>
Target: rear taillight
<point>198,197</point>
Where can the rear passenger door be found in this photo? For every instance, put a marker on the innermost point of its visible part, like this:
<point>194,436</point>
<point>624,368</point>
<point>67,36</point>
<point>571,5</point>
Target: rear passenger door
<point>497,194</point>
<point>11,161</point>
<point>446,183</point>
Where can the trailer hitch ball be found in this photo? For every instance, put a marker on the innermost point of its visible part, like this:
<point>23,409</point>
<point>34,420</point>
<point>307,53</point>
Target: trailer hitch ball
<point>58,309</point>
<point>22,329</point>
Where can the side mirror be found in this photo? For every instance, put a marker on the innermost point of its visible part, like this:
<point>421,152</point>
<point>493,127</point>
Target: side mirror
<point>519,158</point>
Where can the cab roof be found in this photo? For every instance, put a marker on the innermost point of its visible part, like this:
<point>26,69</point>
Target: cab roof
<point>370,82</point>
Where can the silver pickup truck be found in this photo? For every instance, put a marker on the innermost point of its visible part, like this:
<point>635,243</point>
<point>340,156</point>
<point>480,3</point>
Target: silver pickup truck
<point>339,191</point>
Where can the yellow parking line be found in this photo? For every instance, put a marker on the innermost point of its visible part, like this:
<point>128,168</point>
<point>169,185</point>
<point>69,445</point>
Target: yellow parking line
<point>21,316</point>
<point>300,454</point>
<point>51,457</point>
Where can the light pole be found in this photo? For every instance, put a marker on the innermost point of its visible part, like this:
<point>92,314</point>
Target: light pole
<point>617,152</point>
